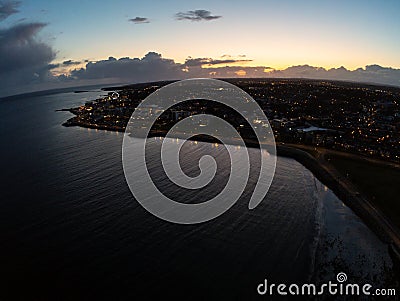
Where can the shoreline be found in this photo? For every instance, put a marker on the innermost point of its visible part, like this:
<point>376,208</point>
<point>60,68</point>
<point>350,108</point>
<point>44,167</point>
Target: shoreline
<point>348,194</point>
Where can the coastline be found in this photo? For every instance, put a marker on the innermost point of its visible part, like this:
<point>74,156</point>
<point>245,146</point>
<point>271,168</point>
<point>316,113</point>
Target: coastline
<point>75,122</point>
<point>349,194</point>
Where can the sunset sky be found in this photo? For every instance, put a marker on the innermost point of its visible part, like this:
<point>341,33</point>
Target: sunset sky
<point>275,34</point>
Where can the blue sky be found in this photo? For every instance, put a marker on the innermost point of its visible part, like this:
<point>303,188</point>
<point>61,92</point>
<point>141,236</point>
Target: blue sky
<point>276,33</point>
<point>271,33</point>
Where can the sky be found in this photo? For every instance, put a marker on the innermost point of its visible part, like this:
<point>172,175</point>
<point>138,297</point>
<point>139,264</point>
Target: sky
<point>51,43</point>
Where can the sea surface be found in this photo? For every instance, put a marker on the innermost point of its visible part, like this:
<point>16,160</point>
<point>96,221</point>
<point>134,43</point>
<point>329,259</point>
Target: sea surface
<point>71,229</point>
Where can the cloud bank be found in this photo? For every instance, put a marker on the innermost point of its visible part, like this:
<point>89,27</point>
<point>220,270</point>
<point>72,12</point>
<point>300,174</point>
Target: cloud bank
<point>370,74</point>
<point>32,70</point>
<point>151,67</point>
<point>154,67</point>
<point>71,62</point>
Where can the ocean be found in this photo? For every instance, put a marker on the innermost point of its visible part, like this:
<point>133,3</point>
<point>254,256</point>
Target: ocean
<point>71,229</point>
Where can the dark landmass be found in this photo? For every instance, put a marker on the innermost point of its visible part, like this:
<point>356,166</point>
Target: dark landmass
<point>356,118</point>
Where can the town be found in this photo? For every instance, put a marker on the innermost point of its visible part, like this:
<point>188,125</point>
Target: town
<point>352,117</point>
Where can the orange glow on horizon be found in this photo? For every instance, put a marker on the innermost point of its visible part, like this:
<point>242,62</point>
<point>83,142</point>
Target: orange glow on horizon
<point>241,73</point>
<point>253,62</point>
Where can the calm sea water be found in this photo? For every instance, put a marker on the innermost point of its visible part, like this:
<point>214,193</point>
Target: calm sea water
<point>70,228</point>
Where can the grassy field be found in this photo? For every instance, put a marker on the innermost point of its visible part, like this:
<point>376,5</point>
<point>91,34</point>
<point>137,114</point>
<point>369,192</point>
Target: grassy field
<point>381,184</point>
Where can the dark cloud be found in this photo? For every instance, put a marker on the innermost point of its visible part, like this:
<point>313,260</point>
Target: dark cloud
<point>7,8</point>
<point>19,47</point>
<point>24,59</point>
<point>139,20</point>
<point>151,67</point>
<point>70,62</point>
<point>62,67</point>
<point>196,15</point>
<point>53,66</point>
<point>191,62</point>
